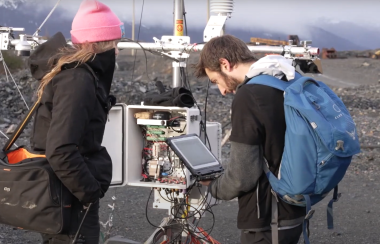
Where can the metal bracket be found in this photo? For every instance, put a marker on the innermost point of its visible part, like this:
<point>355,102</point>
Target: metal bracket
<point>174,40</point>
<point>5,34</point>
<point>179,64</point>
<point>4,41</point>
<point>287,52</point>
<point>214,28</point>
<point>306,43</point>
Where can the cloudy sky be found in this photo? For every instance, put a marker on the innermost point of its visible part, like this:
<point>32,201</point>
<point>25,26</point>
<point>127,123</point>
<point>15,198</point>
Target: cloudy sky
<point>283,15</point>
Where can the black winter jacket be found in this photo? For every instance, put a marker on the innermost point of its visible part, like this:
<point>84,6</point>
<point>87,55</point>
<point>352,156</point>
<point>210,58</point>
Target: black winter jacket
<point>70,121</point>
<point>258,131</point>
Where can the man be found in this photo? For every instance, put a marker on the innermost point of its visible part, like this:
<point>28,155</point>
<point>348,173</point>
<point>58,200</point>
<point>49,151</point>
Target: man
<point>258,132</point>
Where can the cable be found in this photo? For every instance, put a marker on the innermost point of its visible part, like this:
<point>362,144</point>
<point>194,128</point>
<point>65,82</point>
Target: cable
<point>200,111</point>
<point>168,200</point>
<point>208,209</point>
<point>146,210</point>
<point>39,28</point>
<point>146,58</point>
<point>184,17</point>
<point>180,130</point>
<point>138,36</point>
<point>208,87</point>
<point>7,137</point>
<point>184,81</point>
<point>196,233</point>
<point>7,71</point>
<point>187,61</point>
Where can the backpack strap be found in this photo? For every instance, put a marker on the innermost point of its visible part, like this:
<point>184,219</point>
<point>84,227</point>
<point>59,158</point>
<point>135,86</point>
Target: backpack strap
<point>309,215</point>
<point>274,222</point>
<point>330,220</point>
<point>272,81</point>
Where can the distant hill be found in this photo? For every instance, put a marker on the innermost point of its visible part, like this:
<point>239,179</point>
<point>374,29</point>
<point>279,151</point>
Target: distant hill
<point>365,36</point>
<point>342,36</point>
<point>322,38</point>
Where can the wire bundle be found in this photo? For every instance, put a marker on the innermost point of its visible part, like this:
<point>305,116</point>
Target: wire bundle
<point>185,218</point>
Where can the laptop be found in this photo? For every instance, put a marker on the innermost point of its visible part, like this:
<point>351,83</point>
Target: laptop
<point>197,158</point>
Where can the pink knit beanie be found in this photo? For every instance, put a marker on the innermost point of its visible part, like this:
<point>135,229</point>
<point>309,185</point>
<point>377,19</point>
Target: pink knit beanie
<point>95,22</point>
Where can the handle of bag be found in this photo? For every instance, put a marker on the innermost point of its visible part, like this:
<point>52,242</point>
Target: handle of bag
<point>21,127</point>
<point>27,118</point>
<point>304,80</point>
<point>81,223</point>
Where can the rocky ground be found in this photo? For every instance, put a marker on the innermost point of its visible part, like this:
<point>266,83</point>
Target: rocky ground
<point>355,80</point>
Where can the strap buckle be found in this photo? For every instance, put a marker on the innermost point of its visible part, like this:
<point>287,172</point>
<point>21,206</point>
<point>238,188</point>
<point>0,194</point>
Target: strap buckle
<point>274,194</point>
<point>337,198</point>
<point>309,215</point>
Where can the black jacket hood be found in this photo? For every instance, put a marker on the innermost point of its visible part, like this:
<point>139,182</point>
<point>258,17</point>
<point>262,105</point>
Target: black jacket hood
<point>39,60</point>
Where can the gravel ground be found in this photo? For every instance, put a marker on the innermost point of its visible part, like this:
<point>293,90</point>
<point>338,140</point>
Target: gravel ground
<point>355,80</point>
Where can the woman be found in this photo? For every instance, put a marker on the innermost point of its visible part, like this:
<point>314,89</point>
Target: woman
<point>71,117</point>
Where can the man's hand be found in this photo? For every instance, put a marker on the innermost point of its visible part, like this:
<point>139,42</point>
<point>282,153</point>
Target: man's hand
<point>205,182</point>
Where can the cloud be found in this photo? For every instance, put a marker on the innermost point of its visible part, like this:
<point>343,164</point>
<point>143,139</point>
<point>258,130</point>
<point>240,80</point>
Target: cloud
<point>11,4</point>
<point>291,16</point>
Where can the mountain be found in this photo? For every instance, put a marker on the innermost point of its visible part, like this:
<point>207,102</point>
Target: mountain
<point>322,38</point>
<point>368,36</point>
<point>342,36</point>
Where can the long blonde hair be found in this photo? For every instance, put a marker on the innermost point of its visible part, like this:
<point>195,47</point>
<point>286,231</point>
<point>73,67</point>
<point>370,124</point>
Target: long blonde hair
<point>79,53</point>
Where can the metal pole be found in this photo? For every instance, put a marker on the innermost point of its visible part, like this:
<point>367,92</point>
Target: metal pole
<point>197,48</point>
<point>208,11</point>
<point>178,31</point>
<point>133,25</point>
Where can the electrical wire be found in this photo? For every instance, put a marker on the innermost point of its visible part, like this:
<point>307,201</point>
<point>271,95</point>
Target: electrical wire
<point>183,78</point>
<point>146,210</point>
<point>7,71</point>
<point>138,36</point>
<point>146,58</point>
<point>184,17</point>
<point>208,209</point>
<point>181,209</point>
<point>208,87</point>
<point>185,75</point>
<point>176,212</point>
<point>7,137</point>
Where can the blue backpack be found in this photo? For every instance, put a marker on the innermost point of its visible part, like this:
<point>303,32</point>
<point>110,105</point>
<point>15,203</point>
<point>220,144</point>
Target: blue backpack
<point>320,140</point>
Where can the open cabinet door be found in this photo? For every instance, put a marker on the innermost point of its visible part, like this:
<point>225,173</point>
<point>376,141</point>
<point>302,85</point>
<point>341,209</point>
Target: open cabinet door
<point>114,141</point>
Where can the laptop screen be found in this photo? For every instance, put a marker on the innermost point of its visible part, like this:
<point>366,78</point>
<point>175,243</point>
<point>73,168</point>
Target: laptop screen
<point>194,152</point>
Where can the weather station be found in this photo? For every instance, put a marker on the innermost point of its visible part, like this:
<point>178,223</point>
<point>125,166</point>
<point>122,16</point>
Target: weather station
<point>136,135</point>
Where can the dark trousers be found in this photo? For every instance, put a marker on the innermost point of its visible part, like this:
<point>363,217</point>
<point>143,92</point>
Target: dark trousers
<point>90,230</point>
<point>290,236</point>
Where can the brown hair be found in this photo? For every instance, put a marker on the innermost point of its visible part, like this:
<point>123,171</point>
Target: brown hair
<point>229,47</point>
<point>79,53</point>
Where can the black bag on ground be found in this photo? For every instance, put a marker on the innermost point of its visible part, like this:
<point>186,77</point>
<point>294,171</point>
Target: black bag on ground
<point>31,195</point>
